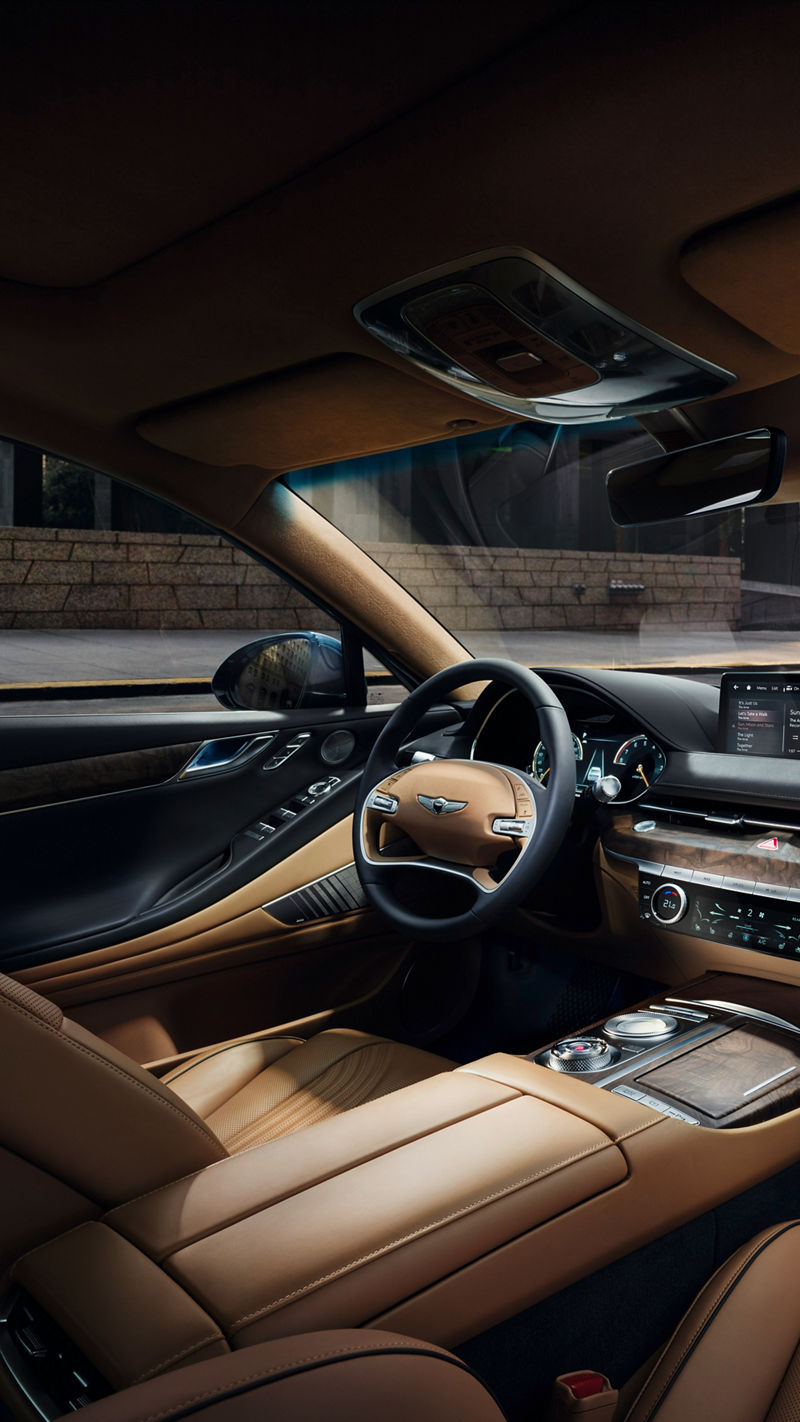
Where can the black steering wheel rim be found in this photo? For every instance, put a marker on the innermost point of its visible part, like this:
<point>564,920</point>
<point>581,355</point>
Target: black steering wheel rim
<point>553,805</point>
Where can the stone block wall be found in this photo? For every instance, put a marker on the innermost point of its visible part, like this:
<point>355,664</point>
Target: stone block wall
<point>518,589</point>
<point>53,578</point>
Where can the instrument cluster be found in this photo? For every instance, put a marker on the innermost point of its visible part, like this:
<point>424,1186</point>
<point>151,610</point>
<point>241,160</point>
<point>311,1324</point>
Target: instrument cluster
<point>604,740</point>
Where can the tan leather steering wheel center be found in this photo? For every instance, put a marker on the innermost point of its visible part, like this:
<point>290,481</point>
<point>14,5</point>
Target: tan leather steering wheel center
<point>452,810</point>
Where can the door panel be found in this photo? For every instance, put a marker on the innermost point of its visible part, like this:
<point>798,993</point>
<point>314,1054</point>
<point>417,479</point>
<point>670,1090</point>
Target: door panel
<point>158,889</point>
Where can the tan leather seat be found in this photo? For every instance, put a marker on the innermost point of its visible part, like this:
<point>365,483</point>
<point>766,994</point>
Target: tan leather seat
<point>103,1126</point>
<point>254,1091</point>
<point>735,1357</point>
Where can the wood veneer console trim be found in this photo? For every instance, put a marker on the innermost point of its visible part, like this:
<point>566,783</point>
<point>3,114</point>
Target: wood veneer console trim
<point>735,853</point>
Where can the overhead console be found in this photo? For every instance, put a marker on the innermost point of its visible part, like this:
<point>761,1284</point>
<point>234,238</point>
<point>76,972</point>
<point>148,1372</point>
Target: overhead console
<point>510,329</point>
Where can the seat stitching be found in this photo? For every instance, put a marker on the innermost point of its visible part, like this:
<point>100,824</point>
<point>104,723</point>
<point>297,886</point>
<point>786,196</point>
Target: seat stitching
<point>432,1225</point>
<point>249,1135</point>
<point>197,1126</point>
<point>209,1054</point>
<point>719,1298</point>
<point>426,1350</point>
<point>216,1337</point>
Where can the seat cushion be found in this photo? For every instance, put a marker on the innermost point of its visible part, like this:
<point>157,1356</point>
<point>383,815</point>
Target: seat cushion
<point>254,1091</point>
<point>342,1376</point>
<point>734,1355</point>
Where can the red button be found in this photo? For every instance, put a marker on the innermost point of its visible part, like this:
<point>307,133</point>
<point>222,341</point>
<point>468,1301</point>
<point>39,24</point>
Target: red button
<point>584,1384</point>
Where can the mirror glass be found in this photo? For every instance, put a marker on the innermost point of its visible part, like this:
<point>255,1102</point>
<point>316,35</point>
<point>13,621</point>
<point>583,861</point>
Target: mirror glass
<point>706,478</point>
<point>282,672</point>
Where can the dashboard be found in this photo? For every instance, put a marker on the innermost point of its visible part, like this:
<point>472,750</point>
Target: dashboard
<point>606,740</point>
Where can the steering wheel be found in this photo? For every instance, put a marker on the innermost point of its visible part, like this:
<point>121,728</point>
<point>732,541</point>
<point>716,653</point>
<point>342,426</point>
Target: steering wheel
<point>492,827</point>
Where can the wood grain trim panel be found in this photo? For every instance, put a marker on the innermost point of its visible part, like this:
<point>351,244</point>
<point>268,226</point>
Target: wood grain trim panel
<point>32,786</point>
<point>730,1079</point>
<point>734,853</point>
<point>666,954</point>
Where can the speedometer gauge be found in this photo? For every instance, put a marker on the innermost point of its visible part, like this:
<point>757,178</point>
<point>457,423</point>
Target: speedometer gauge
<point>642,761</point>
<point>540,765</point>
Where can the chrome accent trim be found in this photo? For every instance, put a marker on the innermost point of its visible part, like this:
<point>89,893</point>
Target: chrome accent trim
<point>754,1014</point>
<point>683,902</point>
<point>254,745</point>
<point>769,1079</point>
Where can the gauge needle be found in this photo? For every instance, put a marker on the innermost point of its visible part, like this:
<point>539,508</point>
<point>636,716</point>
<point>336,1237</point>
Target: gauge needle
<point>544,777</point>
<point>644,777</point>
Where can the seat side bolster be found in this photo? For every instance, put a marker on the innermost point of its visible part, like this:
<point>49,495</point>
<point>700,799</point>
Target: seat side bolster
<point>731,1350</point>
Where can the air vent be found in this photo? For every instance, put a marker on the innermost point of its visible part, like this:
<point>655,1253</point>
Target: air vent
<point>717,815</point>
<point>511,330</point>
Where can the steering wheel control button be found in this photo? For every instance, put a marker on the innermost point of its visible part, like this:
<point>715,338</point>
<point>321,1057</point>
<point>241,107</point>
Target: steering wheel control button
<point>387,804</point>
<point>669,903</point>
<point>640,1028</point>
<point>516,829</point>
<point>581,1054</point>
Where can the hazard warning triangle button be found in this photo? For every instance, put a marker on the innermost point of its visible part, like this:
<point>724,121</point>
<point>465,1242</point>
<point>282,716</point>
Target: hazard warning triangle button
<point>771,843</point>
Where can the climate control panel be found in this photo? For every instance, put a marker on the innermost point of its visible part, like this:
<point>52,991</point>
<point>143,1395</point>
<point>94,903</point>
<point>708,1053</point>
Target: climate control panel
<point>764,922</point>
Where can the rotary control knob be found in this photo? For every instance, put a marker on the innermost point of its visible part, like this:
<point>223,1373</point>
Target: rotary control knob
<point>669,903</point>
<point>581,1054</point>
<point>640,1028</point>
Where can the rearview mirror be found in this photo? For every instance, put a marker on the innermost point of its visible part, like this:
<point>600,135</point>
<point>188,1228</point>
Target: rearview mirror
<point>707,478</point>
<point>282,672</point>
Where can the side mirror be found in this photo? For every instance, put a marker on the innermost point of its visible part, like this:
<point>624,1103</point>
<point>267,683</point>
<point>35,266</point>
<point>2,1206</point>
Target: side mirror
<point>282,672</point>
<point>708,478</point>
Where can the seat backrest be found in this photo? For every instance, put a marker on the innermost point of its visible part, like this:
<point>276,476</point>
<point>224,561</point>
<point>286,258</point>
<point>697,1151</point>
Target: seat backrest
<point>79,1110</point>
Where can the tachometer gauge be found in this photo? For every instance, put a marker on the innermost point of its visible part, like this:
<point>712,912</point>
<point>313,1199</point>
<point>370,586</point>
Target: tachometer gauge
<point>540,765</point>
<point>641,762</point>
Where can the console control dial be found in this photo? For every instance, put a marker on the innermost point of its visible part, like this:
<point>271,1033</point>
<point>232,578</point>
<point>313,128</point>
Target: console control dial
<point>641,1028</point>
<point>669,903</point>
<point>581,1054</point>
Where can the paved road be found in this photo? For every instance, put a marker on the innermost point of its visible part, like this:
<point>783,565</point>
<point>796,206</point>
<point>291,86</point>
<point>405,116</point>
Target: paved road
<point>44,657</point>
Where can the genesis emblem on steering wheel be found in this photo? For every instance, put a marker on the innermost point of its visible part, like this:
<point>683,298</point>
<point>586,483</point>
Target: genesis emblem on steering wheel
<point>440,806</point>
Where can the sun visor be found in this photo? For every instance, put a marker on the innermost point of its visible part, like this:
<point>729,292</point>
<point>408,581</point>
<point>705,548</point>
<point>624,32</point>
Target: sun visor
<point>337,408</point>
<point>750,269</point>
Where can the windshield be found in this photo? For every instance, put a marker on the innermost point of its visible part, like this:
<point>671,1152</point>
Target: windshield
<point>505,536</point>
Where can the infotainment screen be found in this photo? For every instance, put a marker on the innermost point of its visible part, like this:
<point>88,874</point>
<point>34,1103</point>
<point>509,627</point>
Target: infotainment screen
<point>760,715</point>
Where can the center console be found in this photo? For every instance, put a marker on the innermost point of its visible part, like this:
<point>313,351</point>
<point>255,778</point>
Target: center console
<point>436,1211</point>
<point>719,1061</point>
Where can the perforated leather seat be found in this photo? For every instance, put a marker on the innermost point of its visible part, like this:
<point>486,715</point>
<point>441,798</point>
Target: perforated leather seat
<point>735,1357</point>
<point>104,1126</point>
<point>254,1091</point>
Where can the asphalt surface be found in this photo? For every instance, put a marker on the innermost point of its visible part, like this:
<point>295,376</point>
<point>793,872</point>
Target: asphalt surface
<point>40,659</point>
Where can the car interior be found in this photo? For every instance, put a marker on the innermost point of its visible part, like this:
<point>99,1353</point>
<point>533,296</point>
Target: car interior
<point>415,1024</point>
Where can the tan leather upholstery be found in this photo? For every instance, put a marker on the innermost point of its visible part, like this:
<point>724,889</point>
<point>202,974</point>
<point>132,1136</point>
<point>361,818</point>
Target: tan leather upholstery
<point>108,1129</point>
<point>258,1090</point>
<point>86,1114</point>
<point>340,1376</point>
<point>735,1354</point>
